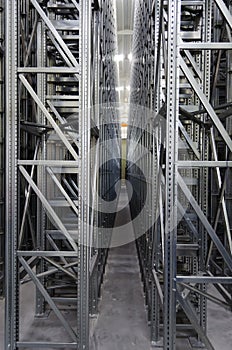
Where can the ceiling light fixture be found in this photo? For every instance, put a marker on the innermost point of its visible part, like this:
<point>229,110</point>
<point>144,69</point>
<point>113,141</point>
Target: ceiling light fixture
<point>119,88</point>
<point>119,58</point>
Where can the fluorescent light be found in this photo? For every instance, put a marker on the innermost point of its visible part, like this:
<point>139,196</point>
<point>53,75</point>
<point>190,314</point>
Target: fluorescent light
<point>119,58</point>
<point>122,88</point>
<point>124,132</point>
<point>130,57</point>
<point>119,88</point>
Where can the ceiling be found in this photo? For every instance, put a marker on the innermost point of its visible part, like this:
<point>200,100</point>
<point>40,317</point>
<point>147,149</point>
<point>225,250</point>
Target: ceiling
<point>125,22</point>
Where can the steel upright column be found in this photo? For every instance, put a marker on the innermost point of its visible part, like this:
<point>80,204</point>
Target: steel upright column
<point>85,126</point>
<point>2,149</point>
<point>11,276</point>
<point>41,174</point>
<point>171,175</point>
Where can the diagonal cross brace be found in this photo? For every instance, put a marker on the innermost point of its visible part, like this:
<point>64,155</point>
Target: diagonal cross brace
<point>55,33</point>
<point>48,116</point>
<point>48,298</point>
<point>218,124</point>
<point>186,306</point>
<point>48,208</point>
<point>224,11</point>
<point>226,256</point>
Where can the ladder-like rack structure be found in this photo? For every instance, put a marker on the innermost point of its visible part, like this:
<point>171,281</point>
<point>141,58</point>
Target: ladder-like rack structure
<point>60,109</point>
<point>181,118</point>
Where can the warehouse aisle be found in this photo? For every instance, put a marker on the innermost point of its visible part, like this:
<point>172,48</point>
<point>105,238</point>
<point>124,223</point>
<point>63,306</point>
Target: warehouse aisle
<point>122,323</point>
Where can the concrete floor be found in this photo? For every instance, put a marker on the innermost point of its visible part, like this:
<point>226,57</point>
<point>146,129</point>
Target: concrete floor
<point>121,323</point>
<point>122,319</point>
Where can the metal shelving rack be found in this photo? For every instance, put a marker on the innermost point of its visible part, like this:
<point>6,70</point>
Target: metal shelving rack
<point>60,109</point>
<point>184,88</point>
